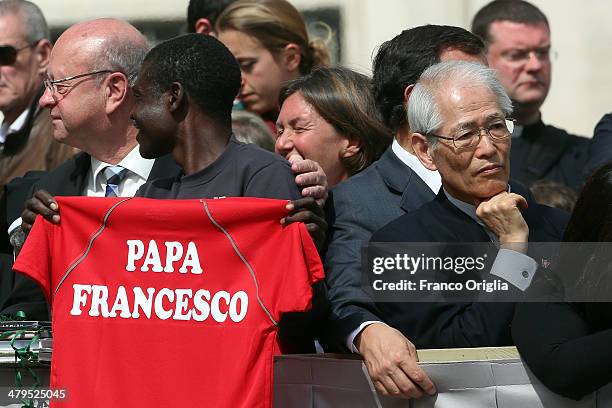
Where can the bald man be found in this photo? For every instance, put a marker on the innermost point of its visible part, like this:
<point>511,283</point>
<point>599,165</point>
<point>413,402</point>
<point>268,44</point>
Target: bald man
<point>88,93</point>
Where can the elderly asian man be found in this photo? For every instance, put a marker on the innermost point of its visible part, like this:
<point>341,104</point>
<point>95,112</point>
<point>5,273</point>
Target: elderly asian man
<point>459,117</point>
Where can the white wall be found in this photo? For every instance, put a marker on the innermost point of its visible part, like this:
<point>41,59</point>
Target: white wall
<point>581,35</point>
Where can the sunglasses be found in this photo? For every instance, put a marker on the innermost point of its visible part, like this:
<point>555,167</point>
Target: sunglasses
<point>8,53</point>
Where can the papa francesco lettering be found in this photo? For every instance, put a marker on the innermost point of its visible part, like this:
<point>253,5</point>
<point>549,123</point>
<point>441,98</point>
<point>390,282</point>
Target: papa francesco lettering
<point>164,303</point>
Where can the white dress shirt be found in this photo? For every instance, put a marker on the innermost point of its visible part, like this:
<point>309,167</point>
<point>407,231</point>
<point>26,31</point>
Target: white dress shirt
<point>430,177</point>
<point>138,168</point>
<point>16,126</point>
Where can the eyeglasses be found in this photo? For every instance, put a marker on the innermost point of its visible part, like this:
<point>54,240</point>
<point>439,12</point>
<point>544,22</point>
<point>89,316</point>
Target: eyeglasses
<point>8,53</point>
<point>498,131</point>
<point>519,56</point>
<point>55,86</point>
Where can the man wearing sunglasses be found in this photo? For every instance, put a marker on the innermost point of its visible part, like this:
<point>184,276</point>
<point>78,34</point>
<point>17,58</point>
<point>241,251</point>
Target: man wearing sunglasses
<point>517,36</point>
<point>25,134</point>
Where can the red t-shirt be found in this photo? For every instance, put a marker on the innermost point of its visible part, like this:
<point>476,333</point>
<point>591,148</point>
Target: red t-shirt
<point>169,303</point>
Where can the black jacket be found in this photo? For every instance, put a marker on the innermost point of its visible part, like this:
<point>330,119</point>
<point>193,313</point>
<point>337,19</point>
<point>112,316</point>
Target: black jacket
<point>449,325</point>
<point>69,179</point>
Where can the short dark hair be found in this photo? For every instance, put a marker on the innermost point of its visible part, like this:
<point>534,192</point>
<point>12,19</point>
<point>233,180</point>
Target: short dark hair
<point>344,99</point>
<point>208,9</point>
<point>401,61</point>
<point>205,68</point>
<point>517,11</point>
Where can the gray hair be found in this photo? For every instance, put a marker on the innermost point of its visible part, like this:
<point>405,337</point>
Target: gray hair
<point>423,113</point>
<point>250,128</point>
<point>123,55</point>
<point>32,19</point>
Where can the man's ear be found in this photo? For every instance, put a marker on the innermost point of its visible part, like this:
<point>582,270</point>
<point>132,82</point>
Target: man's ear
<point>175,96</point>
<point>423,151</point>
<point>407,93</point>
<point>291,57</point>
<point>42,51</point>
<point>203,26</point>
<point>117,88</point>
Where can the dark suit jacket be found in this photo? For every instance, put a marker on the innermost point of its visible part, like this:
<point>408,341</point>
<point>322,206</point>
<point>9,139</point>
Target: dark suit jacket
<point>600,146</point>
<point>544,152</point>
<point>69,179</point>
<point>355,209</point>
<point>448,325</point>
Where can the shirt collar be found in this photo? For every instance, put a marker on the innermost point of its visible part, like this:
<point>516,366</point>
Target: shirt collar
<point>16,126</point>
<point>134,162</point>
<point>431,178</point>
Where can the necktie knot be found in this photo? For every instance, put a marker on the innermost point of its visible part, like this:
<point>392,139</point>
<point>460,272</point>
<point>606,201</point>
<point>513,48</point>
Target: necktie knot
<point>114,175</point>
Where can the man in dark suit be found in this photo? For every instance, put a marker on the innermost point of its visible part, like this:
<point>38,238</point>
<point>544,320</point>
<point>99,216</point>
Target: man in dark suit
<point>395,184</point>
<point>517,36</point>
<point>458,113</point>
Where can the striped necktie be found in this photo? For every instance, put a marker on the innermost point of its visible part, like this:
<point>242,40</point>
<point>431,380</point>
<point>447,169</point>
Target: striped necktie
<point>114,175</point>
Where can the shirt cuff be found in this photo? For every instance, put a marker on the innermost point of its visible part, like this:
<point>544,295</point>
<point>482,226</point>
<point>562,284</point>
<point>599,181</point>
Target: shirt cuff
<point>516,268</point>
<point>14,225</point>
<point>350,341</point>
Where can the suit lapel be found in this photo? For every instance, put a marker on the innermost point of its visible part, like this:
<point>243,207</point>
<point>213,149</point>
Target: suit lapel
<point>403,180</point>
<point>458,223</point>
<point>77,180</point>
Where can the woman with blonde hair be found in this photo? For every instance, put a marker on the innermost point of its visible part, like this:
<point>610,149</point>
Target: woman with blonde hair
<point>270,42</point>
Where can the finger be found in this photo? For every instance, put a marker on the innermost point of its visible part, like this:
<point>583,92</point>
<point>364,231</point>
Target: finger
<point>294,158</point>
<point>380,388</point>
<point>418,376</point>
<point>389,386</point>
<point>36,206</point>
<point>28,217</point>
<point>311,178</point>
<point>405,385</point>
<point>26,226</point>
<point>311,220</point>
<point>301,165</point>
<point>47,199</point>
<point>317,192</point>
<point>304,203</point>
<point>520,201</point>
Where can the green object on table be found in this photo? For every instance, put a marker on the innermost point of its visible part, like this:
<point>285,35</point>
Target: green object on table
<point>24,356</point>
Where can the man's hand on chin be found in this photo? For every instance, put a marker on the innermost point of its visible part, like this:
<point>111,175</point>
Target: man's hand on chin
<point>392,362</point>
<point>502,214</point>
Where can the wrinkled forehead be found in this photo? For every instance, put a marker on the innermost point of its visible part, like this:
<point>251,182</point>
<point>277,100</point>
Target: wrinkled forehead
<point>465,105</point>
<point>12,31</point>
